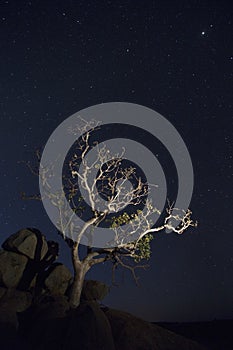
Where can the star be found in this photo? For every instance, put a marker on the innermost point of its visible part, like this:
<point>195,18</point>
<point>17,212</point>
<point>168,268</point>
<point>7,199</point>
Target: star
<point>203,33</point>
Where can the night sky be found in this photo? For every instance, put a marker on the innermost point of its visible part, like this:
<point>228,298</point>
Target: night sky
<point>176,57</point>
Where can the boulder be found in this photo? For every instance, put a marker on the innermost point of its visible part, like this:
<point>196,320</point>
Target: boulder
<point>94,290</point>
<point>2,292</point>
<point>89,328</point>
<point>16,299</point>
<point>12,266</point>
<point>11,303</point>
<point>50,308</point>
<point>45,324</point>
<point>58,279</point>
<point>8,319</point>
<point>29,242</point>
<point>85,328</point>
<point>130,332</point>
<point>46,335</point>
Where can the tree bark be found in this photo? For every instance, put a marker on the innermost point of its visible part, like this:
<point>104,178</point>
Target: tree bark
<point>80,270</point>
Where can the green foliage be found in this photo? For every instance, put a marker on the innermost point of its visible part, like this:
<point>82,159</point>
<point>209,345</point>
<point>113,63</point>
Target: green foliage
<point>124,219</point>
<point>143,250</point>
<point>120,220</point>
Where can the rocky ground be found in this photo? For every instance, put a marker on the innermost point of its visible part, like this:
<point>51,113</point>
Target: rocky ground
<point>35,313</point>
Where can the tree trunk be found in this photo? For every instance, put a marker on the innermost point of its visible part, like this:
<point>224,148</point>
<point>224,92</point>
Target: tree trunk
<point>80,270</point>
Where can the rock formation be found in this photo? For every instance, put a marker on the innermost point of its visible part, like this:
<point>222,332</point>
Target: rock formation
<point>35,311</point>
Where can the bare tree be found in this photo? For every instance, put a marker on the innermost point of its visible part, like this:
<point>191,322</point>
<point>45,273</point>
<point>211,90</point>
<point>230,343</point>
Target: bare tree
<point>108,194</point>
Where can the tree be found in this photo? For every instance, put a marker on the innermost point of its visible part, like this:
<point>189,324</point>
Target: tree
<point>108,195</point>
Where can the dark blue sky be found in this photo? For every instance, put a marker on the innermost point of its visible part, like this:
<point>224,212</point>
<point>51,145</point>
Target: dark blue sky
<point>58,57</point>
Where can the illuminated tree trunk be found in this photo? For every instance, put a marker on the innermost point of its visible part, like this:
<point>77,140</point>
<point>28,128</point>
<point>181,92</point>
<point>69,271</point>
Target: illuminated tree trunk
<point>80,270</point>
